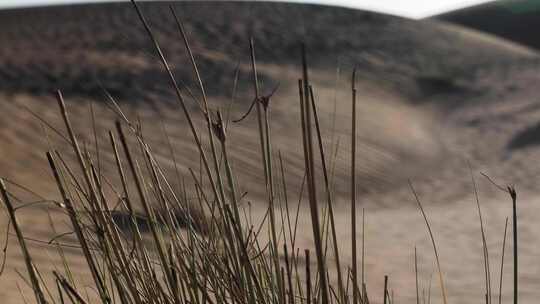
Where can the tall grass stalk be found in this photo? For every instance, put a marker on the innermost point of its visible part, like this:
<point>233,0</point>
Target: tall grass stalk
<point>513,196</point>
<point>487,271</point>
<point>439,270</point>
<point>341,288</point>
<point>353,190</point>
<point>206,110</point>
<point>310,169</point>
<point>264,136</point>
<point>179,97</point>
<point>502,261</point>
<point>32,272</point>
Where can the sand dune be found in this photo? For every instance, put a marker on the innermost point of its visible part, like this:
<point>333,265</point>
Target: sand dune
<point>506,19</point>
<point>432,96</point>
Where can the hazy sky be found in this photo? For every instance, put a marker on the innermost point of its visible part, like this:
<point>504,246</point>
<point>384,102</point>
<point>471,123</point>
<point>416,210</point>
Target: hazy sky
<point>408,8</point>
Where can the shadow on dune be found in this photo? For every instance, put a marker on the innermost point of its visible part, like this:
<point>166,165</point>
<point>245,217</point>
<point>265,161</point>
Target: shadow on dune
<point>525,138</point>
<point>88,82</point>
<point>435,85</point>
<point>123,219</point>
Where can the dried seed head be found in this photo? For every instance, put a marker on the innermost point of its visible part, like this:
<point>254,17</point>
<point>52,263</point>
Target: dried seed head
<point>218,127</point>
<point>265,100</point>
<point>512,192</point>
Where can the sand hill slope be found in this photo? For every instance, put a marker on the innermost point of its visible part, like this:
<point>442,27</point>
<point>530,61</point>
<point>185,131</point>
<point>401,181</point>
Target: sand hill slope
<point>507,19</point>
<point>432,95</point>
<point>404,65</point>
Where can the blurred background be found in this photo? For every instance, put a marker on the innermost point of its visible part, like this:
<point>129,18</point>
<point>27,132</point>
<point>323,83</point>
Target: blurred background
<point>447,94</point>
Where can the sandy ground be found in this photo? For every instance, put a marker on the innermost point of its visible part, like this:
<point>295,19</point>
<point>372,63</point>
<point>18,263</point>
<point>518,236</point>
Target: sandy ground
<point>431,97</point>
